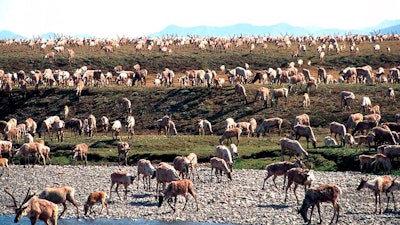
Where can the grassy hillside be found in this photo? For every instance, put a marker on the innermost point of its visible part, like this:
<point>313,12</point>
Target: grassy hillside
<point>187,105</point>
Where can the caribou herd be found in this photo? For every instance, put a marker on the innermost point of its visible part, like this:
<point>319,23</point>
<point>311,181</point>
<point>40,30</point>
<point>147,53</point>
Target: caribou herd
<point>359,129</point>
<point>179,175</point>
<point>292,77</point>
<point>293,72</point>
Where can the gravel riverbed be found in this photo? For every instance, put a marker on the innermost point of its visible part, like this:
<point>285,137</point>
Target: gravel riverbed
<point>240,201</point>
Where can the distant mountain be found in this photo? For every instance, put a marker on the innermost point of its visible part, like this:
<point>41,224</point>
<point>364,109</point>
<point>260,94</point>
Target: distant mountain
<point>52,35</point>
<point>243,29</point>
<point>225,31</point>
<point>391,30</point>
<point>273,30</point>
<point>49,35</point>
<point>6,34</point>
<point>387,24</point>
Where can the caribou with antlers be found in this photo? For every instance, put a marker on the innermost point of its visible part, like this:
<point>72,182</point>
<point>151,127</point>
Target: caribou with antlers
<point>35,208</point>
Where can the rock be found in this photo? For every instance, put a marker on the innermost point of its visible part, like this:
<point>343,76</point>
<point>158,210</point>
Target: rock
<point>240,201</point>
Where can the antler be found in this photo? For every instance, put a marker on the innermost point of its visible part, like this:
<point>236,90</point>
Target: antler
<point>12,196</point>
<point>28,196</point>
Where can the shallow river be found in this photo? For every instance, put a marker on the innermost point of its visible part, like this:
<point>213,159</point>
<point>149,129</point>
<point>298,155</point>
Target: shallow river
<point>9,219</point>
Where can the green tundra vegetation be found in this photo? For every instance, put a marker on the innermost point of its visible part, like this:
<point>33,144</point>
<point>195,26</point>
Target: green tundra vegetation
<point>189,104</point>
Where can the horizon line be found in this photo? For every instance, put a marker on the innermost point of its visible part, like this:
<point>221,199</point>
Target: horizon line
<point>160,33</point>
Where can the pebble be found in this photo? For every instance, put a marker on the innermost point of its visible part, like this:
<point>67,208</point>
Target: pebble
<point>240,201</point>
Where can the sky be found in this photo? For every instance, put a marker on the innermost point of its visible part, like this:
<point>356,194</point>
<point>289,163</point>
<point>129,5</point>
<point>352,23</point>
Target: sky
<point>132,18</point>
